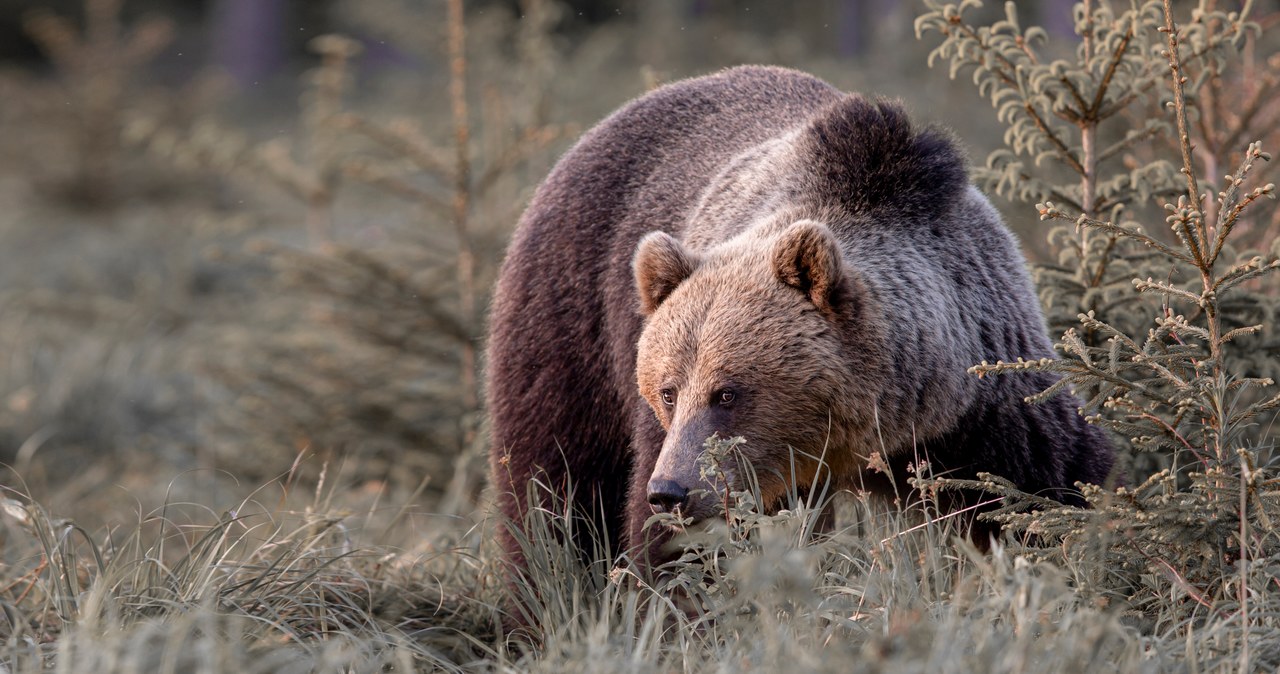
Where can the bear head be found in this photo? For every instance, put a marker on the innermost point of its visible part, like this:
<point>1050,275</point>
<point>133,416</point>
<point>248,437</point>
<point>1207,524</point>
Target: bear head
<point>752,338</point>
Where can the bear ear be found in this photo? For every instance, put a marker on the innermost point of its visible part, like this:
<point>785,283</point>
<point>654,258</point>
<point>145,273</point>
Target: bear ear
<point>661,263</point>
<point>807,257</point>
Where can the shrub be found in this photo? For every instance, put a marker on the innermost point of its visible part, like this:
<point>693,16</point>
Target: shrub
<point>1174,343</point>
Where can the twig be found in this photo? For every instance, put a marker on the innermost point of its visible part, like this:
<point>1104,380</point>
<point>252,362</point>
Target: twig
<point>1197,240</point>
<point>1244,564</point>
<point>1092,111</point>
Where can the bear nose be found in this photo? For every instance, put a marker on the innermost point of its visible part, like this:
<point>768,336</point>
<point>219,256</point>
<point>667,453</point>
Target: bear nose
<point>666,495</point>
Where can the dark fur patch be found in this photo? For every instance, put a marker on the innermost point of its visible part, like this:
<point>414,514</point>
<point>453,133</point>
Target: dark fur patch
<point>867,159</point>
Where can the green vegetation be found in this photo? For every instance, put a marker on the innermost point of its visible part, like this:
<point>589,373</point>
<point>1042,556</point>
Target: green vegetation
<point>248,438</point>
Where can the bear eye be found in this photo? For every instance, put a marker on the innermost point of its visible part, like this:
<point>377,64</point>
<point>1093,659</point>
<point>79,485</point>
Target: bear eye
<point>668,397</point>
<point>725,396</point>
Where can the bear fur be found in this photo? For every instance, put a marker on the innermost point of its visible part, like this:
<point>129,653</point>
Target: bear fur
<point>755,253</point>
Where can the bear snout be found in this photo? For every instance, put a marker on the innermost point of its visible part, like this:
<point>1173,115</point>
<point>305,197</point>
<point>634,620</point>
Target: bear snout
<point>666,496</point>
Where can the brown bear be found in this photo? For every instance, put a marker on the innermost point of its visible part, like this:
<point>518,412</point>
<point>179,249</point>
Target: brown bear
<point>757,254</point>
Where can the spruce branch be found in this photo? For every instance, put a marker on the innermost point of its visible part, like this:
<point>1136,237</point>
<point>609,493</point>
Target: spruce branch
<point>1245,272</point>
<point>1167,289</point>
<point>1100,271</point>
<point>1149,130</point>
<point>1231,204</point>
<point>379,175</point>
<point>1048,210</point>
<point>1196,237</point>
<point>1259,408</point>
<point>403,138</point>
<point>1064,153</point>
<point>530,141</point>
<point>1117,56</point>
<point>1261,96</point>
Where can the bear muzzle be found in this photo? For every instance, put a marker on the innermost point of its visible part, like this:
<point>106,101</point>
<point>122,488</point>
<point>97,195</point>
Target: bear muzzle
<point>691,504</point>
<point>667,496</point>
<point>677,484</point>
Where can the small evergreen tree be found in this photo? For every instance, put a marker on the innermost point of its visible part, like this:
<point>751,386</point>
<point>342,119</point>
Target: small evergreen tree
<point>1170,339</point>
<point>95,66</point>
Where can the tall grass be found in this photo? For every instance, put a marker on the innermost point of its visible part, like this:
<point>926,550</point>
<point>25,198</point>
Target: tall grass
<point>260,588</point>
<point>276,585</point>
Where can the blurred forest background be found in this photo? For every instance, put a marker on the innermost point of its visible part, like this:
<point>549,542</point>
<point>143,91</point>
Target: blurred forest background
<point>244,240</point>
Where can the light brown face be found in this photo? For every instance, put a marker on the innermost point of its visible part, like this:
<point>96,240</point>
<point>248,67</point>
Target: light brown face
<point>731,348</point>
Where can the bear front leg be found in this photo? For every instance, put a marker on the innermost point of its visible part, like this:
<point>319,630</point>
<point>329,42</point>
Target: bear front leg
<point>588,491</point>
